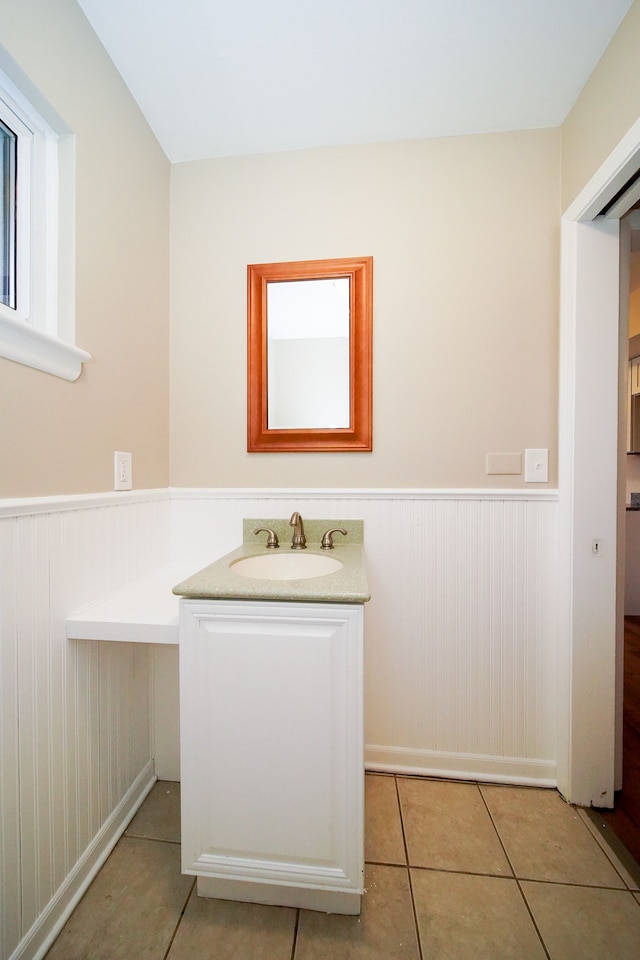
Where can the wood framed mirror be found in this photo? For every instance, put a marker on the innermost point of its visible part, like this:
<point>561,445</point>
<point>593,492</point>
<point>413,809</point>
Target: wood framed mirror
<point>309,356</point>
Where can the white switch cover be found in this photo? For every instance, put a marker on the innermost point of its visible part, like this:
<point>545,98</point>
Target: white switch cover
<point>536,466</point>
<point>504,463</point>
<point>123,478</point>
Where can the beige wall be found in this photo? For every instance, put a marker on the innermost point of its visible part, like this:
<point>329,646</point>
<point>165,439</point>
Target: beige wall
<point>55,436</point>
<point>606,109</point>
<point>464,236</point>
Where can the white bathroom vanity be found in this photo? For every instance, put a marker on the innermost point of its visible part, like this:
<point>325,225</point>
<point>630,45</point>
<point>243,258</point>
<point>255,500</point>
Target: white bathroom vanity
<point>271,730</point>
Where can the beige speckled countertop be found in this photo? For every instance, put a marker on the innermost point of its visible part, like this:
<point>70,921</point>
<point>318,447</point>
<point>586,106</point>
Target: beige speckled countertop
<point>346,585</point>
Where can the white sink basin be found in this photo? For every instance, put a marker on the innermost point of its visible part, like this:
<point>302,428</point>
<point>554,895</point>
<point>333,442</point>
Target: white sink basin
<point>285,566</point>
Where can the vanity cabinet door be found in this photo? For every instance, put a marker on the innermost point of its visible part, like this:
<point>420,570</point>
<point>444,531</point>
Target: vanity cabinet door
<point>271,748</point>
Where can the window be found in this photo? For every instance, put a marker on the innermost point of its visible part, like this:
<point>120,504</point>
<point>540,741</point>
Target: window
<point>8,159</point>
<point>36,239</point>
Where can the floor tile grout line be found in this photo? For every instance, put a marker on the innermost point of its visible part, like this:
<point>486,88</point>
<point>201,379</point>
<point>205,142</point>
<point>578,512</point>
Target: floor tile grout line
<point>182,913</point>
<point>138,836</point>
<point>533,919</point>
<point>404,836</point>
<point>513,871</point>
<point>295,935</point>
<point>408,869</point>
<point>465,873</point>
<point>504,876</point>
<point>495,827</point>
<point>385,863</point>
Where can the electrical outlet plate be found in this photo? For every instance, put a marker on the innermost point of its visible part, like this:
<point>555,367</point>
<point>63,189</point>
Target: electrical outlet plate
<point>123,478</point>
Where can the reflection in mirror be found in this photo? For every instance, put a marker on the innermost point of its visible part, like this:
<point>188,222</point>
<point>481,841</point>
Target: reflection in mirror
<point>308,353</point>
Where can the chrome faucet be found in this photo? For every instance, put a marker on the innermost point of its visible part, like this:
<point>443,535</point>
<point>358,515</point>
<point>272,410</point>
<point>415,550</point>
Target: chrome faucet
<point>298,541</point>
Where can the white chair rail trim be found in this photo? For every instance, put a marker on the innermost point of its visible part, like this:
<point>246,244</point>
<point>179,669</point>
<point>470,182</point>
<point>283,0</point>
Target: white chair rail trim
<point>25,506</point>
<point>367,493</point>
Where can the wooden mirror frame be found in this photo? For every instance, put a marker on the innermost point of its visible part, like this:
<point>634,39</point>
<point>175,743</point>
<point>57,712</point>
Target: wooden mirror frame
<point>356,437</point>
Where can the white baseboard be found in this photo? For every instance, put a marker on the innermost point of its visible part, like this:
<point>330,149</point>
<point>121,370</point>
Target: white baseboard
<point>459,766</point>
<point>46,928</point>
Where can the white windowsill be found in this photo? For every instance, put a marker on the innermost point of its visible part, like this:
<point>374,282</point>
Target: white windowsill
<point>24,344</point>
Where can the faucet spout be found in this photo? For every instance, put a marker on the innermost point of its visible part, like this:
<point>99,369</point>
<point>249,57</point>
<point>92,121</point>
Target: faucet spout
<point>298,541</point>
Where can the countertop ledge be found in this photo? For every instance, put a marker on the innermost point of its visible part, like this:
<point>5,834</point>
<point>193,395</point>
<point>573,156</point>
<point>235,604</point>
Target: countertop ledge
<point>218,581</point>
<point>144,611</point>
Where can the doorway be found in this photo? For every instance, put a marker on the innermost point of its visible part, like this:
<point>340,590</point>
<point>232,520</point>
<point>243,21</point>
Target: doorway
<point>589,596</point>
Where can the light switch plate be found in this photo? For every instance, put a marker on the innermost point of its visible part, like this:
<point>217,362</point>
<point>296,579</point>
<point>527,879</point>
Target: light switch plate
<point>504,463</point>
<point>536,466</point>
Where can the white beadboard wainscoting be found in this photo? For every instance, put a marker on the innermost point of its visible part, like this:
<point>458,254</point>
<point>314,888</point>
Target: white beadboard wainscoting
<point>75,745</point>
<point>460,646</point>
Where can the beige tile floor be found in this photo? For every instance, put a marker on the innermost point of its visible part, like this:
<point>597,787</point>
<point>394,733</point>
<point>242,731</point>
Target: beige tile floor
<point>454,871</point>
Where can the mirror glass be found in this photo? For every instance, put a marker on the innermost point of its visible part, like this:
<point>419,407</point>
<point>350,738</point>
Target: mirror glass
<point>308,353</point>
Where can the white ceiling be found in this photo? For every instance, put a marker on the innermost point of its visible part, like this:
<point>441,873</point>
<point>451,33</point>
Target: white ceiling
<point>219,78</point>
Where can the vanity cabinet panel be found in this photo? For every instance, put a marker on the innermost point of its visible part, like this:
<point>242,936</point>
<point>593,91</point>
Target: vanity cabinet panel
<point>272,753</point>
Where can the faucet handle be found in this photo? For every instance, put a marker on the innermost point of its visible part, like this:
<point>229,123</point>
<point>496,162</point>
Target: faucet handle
<point>327,540</point>
<point>272,539</point>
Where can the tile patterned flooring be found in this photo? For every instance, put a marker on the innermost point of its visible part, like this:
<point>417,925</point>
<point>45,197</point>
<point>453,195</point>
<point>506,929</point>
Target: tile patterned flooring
<point>453,871</point>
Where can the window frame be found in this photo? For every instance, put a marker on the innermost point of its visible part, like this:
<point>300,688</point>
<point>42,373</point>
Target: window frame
<point>39,331</point>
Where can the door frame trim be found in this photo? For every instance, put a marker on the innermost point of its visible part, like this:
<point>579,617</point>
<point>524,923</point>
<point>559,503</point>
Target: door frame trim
<point>588,482</point>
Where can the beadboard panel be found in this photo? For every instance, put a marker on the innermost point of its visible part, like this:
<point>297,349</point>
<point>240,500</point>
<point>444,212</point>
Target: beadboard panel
<point>459,657</point>
<point>74,715</point>
<point>461,628</point>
